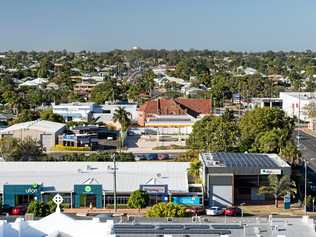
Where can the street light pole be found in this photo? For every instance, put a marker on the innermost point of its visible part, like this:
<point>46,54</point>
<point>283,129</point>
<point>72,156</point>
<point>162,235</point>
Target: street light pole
<point>299,118</point>
<point>305,188</point>
<point>114,182</point>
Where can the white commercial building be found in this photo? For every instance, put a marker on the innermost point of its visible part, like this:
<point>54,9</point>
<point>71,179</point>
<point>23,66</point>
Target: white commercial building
<point>91,183</point>
<point>75,111</point>
<point>295,102</point>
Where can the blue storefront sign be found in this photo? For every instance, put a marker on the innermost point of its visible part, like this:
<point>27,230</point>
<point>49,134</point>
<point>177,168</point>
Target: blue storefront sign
<point>192,201</point>
<point>81,191</point>
<point>11,192</point>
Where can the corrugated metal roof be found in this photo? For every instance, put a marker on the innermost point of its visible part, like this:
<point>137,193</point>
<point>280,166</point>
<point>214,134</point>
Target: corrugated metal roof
<point>245,160</point>
<point>64,175</point>
<point>41,125</point>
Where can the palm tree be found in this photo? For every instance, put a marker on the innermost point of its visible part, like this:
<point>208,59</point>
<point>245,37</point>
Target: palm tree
<point>123,117</point>
<point>194,169</point>
<point>291,154</point>
<point>149,81</point>
<point>278,187</point>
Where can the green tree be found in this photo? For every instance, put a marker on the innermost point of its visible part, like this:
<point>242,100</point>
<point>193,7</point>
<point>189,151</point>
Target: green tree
<point>147,82</point>
<point>25,116</point>
<point>9,148</point>
<point>13,149</point>
<point>106,91</point>
<point>166,210</point>
<point>138,199</point>
<point>278,187</point>
<point>219,88</point>
<point>48,114</point>
<point>45,65</point>
<point>270,141</point>
<point>214,134</point>
<point>260,120</point>
<point>133,93</point>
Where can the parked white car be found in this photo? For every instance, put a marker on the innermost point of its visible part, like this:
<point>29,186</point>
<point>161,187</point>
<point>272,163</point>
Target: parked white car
<point>214,211</point>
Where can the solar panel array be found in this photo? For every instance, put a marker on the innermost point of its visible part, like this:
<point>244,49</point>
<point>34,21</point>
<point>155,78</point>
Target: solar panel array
<point>245,160</point>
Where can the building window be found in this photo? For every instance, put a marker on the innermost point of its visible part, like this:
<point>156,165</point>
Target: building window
<point>120,200</point>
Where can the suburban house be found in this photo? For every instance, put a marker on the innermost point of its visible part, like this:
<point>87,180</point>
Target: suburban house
<point>84,88</point>
<point>45,132</point>
<point>172,116</point>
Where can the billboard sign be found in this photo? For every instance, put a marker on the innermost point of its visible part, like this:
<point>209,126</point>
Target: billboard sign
<point>192,201</point>
<point>154,189</point>
<point>270,171</point>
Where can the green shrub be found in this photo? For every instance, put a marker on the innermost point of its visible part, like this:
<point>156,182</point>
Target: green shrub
<point>99,156</point>
<point>41,209</point>
<point>138,199</point>
<point>166,210</point>
<point>70,148</point>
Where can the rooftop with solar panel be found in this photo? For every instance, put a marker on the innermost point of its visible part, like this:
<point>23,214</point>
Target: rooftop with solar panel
<point>245,163</point>
<point>231,178</point>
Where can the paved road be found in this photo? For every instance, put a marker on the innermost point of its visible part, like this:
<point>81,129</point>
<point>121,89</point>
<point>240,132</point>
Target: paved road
<point>308,149</point>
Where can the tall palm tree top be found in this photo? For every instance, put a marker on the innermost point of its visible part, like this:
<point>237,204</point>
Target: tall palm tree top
<point>123,117</point>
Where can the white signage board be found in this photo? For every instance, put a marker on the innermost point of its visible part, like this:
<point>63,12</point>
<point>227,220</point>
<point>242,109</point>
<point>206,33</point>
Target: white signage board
<point>270,171</point>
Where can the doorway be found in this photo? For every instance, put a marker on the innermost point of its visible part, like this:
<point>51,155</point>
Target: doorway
<point>23,199</point>
<point>87,199</point>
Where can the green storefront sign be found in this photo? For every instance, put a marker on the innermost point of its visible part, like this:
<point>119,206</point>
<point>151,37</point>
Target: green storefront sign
<point>15,194</point>
<point>88,195</point>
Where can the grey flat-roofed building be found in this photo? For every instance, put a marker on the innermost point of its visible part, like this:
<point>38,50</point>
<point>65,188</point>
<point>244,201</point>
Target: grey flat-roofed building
<point>232,178</point>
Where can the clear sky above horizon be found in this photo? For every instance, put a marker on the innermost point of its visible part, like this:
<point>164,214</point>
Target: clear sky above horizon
<point>102,25</point>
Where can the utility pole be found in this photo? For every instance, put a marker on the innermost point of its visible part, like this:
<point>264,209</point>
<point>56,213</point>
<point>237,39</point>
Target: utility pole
<point>299,119</point>
<point>114,168</point>
<point>305,188</point>
<point>114,181</point>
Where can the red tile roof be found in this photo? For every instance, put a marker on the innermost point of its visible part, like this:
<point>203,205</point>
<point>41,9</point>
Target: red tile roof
<point>193,107</point>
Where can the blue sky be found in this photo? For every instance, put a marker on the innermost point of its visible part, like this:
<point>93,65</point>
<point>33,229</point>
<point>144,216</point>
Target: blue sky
<point>102,25</point>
